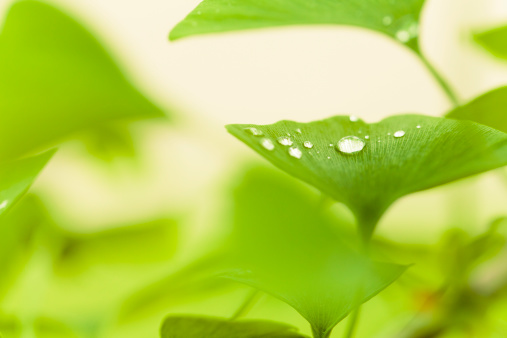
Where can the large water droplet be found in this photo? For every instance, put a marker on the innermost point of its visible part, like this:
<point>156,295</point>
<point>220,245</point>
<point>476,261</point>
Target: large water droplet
<point>295,152</point>
<point>254,131</point>
<point>308,144</point>
<point>267,144</point>
<point>399,133</point>
<point>350,144</point>
<point>285,141</point>
<point>353,118</point>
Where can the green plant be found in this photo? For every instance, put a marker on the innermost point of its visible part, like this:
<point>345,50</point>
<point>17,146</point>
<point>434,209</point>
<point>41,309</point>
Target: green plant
<point>365,166</point>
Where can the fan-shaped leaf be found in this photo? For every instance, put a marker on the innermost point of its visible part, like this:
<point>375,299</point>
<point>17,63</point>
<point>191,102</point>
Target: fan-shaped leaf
<point>489,109</point>
<point>398,19</point>
<point>200,327</point>
<point>433,151</point>
<point>56,79</point>
<point>285,246</point>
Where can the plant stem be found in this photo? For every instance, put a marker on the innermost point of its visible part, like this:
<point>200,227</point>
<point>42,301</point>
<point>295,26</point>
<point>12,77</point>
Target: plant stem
<point>320,334</point>
<point>247,304</point>
<point>441,81</point>
<point>352,323</point>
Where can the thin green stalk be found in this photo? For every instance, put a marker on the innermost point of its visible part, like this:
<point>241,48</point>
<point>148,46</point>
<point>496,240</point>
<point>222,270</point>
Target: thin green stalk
<point>441,81</point>
<point>351,328</point>
<point>247,304</point>
<point>320,334</point>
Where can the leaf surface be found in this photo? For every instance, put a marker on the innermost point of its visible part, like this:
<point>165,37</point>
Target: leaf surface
<point>397,19</point>
<point>199,327</point>
<point>495,41</point>
<point>287,247</point>
<point>388,167</point>
<point>489,109</point>
<point>57,79</point>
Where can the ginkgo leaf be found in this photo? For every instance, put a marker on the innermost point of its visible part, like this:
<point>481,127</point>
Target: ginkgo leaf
<point>392,158</point>
<point>57,79</point>
<point>495,41</point>
<point>17,176</point>
<point>283,245</point>
<point>489,109</point>
<point>209,327</point>
<point>397,19</point>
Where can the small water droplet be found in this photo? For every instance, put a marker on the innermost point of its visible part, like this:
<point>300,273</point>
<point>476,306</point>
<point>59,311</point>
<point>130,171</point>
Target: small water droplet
<point>367,137</point>
<point>378,141</point>
<point>418,126</point>
<point>353,118</point>
<point>399,133</point>
<point>403,36</point>
<point>329,157</point>
<point>298,130</point>
<point>295,152</point>
<point>308,144</point>
<point>4,204</point>
<point>387,20</point>
<point>254,131</point>
<point>388,133</point>
<point>285,141</point>
<point>350,144</point>
<point>330,144</point>
<point>267,144</point>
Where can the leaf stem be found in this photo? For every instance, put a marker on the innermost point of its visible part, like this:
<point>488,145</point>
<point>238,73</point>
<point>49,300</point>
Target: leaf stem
<point>247,304</point>
<point>441,81</point>
<point>320,334</point>
<point>352,323</point>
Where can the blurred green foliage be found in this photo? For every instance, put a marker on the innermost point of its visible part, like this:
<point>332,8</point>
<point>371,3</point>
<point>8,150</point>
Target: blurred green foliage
<point>283,243</point>
<point>57,79</point>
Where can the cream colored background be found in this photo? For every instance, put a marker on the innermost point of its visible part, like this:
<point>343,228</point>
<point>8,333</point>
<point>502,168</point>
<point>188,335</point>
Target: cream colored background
<point>299,73</point>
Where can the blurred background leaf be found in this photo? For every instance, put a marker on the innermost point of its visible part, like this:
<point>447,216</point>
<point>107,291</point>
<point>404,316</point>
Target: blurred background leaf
<point>17,176</point>
<point>292,250</point>
<point>494,41</point>
<point>57,79</point>
<point>199,327</point>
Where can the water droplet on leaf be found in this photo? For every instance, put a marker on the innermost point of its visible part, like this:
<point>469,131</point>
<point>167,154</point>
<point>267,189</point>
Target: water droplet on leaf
<point>267,144</point>
<point>285,141</point>
<point>298,131</point>
<point>418,126</point>
<point>4,204</point>
<point>367,137</point>
<point>399,133</point>
<point>295,152</point>
<point>387,20</point>
<point>254,131</point>
<point>353,118</point>
<point>308,144</point>
<point>350,144</point>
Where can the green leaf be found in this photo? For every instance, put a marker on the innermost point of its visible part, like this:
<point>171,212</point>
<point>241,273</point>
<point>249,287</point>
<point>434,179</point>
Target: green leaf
<point>369,181</point>
<point>495,41</point>
<point>287,247</point>
<point>17,176</point>
<point>199,327</point>
<point>150,242</point>
<point>57,79</point>
<point>397,19</point>
<point>489,109</point>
